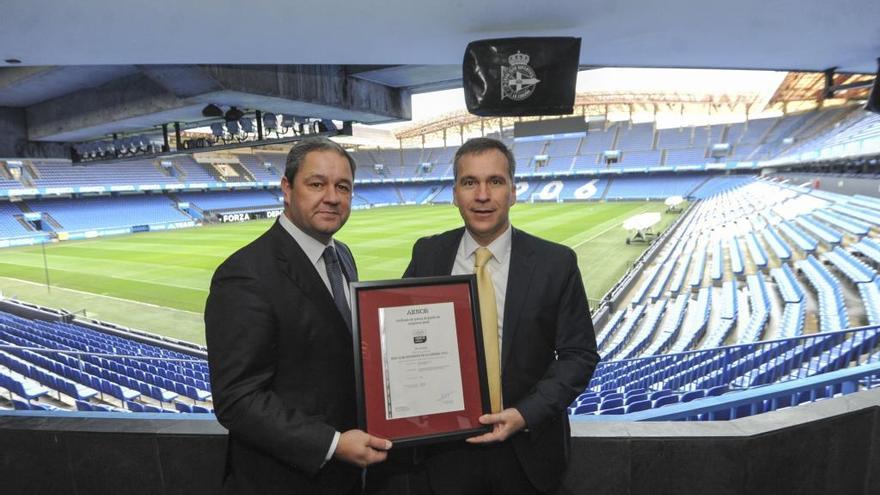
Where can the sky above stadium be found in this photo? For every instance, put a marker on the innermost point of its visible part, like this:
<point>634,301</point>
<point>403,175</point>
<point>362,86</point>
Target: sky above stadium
<point>428,106</point>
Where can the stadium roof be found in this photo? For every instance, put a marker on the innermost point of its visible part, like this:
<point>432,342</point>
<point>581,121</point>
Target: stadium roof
<point>374,53</point>
<point>754,34</point>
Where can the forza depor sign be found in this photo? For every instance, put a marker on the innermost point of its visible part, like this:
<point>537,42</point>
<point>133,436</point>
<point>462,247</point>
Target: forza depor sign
<point>521,76</point>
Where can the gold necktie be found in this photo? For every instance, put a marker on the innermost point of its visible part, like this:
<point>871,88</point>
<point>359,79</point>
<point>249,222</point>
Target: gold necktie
<point>489,321</point>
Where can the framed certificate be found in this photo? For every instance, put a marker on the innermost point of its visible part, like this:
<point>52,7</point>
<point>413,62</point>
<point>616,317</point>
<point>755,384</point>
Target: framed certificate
<point>418,352</point>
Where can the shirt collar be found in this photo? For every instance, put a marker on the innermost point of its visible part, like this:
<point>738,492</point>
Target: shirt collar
<point>313,248</point>
<point>500,247</point>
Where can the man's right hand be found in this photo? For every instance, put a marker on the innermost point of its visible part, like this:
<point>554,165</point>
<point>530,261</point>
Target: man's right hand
<point>361,449</point>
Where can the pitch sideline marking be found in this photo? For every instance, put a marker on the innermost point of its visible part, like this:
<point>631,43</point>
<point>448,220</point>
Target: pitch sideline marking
<point>614,225</point>
<point>105,296</point>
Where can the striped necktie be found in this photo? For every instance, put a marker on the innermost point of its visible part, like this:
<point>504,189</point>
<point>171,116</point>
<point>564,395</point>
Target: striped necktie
<point>334,274</point>
<point>489,321</point>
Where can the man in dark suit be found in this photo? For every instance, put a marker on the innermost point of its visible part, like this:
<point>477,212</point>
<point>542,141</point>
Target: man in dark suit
<point>279,341</point>
<point>547,344</point>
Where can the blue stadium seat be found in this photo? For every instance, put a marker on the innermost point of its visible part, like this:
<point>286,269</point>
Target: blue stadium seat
<point>631,399</point>
<point>716,391</point>
<point>611,403</point>
<point>692,395</point>
<point>641,405</point>
<point>665,400</point>
<point>660,393</point>
<point>586,408</point>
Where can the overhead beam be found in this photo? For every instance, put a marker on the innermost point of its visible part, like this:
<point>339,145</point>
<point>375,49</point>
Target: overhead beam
<point>161,94</point>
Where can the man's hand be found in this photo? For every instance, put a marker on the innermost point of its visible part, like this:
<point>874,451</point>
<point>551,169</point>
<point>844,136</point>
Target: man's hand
<point>360,448</point>
<point>504,424</point>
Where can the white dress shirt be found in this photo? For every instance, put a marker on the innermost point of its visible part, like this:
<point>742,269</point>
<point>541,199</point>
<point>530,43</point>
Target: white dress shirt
<point>498,266</point>
<point>314,250</point>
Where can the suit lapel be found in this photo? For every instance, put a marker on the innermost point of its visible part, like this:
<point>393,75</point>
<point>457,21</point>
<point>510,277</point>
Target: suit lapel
<point>445,259</point>
<point>518,281</point>
<point>294,263</point>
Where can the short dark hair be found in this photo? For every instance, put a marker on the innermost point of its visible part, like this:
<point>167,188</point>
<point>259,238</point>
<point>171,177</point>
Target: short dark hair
<point>302,148</point>
<point>479,145</point>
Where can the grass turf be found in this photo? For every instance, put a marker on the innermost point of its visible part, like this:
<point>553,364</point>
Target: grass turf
<point>158,281</point>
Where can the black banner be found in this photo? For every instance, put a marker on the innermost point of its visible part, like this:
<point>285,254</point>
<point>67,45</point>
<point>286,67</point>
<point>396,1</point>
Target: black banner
<point>521,76</point>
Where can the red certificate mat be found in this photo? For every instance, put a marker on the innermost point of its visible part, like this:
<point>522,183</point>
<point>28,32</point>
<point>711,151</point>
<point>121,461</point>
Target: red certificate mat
<point>457,298</point>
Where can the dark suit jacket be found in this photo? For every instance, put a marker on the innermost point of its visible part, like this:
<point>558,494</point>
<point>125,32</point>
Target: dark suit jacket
<point>282,370</point>
<point>548,347</point>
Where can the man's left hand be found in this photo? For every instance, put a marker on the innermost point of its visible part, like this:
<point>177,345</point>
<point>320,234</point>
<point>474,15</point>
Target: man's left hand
<point>504,424</point>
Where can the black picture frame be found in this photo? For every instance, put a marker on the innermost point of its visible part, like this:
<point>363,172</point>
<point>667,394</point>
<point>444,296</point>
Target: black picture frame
<point>461,290</point>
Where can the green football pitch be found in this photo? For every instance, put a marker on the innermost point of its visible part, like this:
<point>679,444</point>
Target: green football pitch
<point>158,281</point>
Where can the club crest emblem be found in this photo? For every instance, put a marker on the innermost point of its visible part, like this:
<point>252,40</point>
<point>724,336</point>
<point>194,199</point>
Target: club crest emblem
<point>518,80</point>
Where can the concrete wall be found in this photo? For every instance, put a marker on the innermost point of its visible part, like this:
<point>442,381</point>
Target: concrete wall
<point>832,446</point>
<point>836,183</point>
<point>14,141</point>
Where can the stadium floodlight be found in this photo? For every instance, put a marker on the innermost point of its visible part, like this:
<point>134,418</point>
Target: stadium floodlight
<point>138,143</point>
<point>218,129</point>
<point>288,121</point>
<point>326,125</point>
<point>234,127</point>
<point>270,121</point>
<point>130,145</point>
<point>103,148</point>
<point>212,111</point>
<point>233,114</point>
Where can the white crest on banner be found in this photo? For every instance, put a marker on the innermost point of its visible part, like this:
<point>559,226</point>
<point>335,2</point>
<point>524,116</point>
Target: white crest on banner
<point>518,80</point>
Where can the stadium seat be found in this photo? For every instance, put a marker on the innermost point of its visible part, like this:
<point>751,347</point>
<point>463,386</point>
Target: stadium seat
<point>586,408</point>
<point>612,395</point>
<point>610,403</point>
<point>196,394</point>
<point>641,405</point>
<point>666,400</point>
<point>660,393</point>
<point>635,391</point>
<point>612,411</point>
<point>716,391</point>
<point>695,394</point>
<point>589,400</point>
<point>631,399</point>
